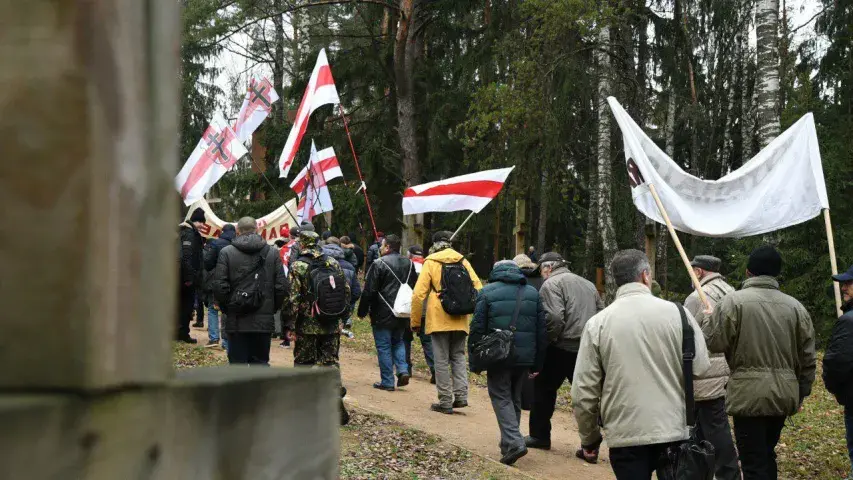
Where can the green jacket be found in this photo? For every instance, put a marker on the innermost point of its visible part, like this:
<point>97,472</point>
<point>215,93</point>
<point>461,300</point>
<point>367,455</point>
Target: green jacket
<point>768,339</point>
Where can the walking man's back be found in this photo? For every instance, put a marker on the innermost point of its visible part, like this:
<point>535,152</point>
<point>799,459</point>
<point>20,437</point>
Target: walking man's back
<point>629,374</point>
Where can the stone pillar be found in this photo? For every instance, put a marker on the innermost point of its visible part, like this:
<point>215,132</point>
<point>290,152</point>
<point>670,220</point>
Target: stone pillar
<point>88,112</point>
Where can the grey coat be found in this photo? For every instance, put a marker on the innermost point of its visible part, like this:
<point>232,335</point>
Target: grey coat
<point>570,301</point>
<point>712,384</point>
<point>234,261</point>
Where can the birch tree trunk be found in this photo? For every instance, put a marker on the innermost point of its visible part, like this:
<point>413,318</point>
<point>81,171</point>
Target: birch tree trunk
<point>605,214</point>
<point>767,79</point>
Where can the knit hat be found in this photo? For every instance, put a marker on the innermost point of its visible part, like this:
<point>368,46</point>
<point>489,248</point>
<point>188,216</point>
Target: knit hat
<point>229,227</point>
<point>765,260</point>
<point>307,227</point>
<point>707,262</point>
<point>416,250</point>
<point>294,231</point>
<point>524,261</point>
<point>441,236</point>
<point>334,240</point>
<point>326,235</point>
<point>197,216</point>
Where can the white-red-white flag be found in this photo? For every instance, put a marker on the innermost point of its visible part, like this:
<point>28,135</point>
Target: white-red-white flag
<point>257,105</point>
<point>315,198</point>
<point>216,152</point>
<point>466,192</point>
<point>320,91</point>
<point>326,163</point>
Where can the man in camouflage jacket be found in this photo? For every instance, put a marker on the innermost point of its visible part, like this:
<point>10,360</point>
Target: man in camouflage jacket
<point>317,341</point>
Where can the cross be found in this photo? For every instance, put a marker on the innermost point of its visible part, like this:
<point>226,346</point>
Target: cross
<point>259,95</point>
<point>218,147</point>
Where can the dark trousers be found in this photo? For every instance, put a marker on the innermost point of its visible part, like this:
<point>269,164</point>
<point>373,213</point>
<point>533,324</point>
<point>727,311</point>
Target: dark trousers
<point>186,301</point>
<point>504,386</point>
<point>249,348</point>
<point>848,425</point>
<point>712,424</point>
<point>426,344</point>
<point>559,366</point>
<point>756,443</point>
<point>638,463</point>
<point>199,307</point>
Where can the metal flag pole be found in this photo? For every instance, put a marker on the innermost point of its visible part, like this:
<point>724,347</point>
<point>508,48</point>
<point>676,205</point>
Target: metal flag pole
<point>363,186</point>
<point>460,226</point>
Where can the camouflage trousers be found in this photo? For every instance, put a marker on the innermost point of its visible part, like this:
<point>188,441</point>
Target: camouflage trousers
<point>320,350</point>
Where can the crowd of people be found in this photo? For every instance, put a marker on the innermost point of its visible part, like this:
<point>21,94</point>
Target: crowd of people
<point>752,350</point>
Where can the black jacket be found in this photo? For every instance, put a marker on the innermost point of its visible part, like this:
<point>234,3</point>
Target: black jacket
<point>838,359</point>
<point>359,255</point>
<point>372,254</point>
<point>211,255</point>
<point>495,306</point>
<point>381,281</point>
<point>534,278</point>
<point>236,260</point>
<point>191,253</point>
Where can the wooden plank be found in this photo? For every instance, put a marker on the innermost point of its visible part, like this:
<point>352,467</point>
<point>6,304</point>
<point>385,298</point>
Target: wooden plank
<point>89,108</point>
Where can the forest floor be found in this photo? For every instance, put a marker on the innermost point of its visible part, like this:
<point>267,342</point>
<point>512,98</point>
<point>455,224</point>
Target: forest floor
<point>394,435</point>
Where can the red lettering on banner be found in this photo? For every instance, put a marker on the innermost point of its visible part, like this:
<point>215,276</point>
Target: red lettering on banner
<point>205,229</point>
<point>283,231</point>
<point>273,234</point>
<point>217,233</point>
<point>264,234</point>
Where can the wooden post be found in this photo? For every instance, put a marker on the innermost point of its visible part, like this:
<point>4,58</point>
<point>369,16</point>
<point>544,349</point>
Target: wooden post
<point>833,262</point>
<point>89,97</point>
<point>520,230</point>
<point>680,248</point>
<point>651,244</point>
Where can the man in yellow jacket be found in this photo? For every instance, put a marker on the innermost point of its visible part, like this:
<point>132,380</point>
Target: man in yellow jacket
<point>448,332</point>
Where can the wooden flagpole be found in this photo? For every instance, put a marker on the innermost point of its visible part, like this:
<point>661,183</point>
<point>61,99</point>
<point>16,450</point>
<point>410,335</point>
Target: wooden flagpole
<point>833,262</point>
<point>460,226</point>
<point>680,248</point>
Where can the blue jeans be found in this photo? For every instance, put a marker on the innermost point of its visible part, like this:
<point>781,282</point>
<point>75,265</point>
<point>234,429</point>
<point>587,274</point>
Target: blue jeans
<point>391,350</point>
<point>848,423</point>
<point>212,323</point>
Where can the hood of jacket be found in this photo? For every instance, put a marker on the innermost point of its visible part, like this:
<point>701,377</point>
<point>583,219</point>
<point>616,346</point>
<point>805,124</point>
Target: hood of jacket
<point>447,255</point>
<point>229,235</point>
<point>507,274</point>
<point>334,251</point>
<point>186,225</point>
<point>251,243</point>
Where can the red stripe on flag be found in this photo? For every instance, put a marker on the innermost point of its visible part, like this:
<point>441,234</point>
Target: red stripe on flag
<point>475,188</point>
<point>205,162</point>
<point>324,77</point>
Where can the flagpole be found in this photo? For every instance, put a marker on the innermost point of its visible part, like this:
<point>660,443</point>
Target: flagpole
<point>358,169</point>
<point>833,262</point>
<point>460,226</point>
<point>681,252</point>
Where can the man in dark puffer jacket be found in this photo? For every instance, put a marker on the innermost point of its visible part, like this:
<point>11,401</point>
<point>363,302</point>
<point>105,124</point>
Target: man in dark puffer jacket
<point>495,307</point>
<point>249,334</point>
<point>838,360</point>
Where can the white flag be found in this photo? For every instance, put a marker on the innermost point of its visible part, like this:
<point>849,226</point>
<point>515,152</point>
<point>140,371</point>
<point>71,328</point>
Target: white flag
<point>320,91</point>
<point>781,186</point>
<point>315,198</point>
<point>216,152</point>
<point>257,105</point>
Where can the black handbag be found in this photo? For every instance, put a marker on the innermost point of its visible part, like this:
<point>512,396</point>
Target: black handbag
<point>496,346</point>
<point>691,459</point>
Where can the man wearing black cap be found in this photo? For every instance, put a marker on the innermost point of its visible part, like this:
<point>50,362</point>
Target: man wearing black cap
<point>710,388</point>
<point>190,272</point>
<point>768,339</point>
<point>569,301</point>
<point>838,360</point>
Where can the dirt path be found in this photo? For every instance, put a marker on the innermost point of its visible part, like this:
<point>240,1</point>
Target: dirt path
<point>473,428</point>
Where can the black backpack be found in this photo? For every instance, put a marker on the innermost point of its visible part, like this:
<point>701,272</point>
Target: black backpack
<point>247,291</point>
<point>458,295</point>
<point>328,289</point>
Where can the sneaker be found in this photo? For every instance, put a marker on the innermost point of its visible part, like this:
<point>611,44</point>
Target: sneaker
<point>580,454</point>
<point>432,379</point>
<point>460,403</point>
<point>379,386</point>
<point>436,407</point>
<point>513,457</point>
<point>533,442</point>
<point>188,340</point>
<point>212,343</point>
<point>403,379</point>
<point>284,345</point>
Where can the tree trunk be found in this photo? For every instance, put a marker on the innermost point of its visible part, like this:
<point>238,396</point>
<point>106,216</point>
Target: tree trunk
<point>542,227</point>
<point>278,63</point>
<point>662,267</point>
<point>767,79</point>
<point>405,53</point>
<point>605,215</point>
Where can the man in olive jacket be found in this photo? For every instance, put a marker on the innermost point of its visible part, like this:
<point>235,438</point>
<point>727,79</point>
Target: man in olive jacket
<point>570,301</point>
<point>249,334</point>
<point>712,423</point>
<point>496,304</point>
<point>768,339</point>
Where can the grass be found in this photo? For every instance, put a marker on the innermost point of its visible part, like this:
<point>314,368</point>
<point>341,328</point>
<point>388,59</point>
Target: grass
<point>376,447</point>
<point>190,356</point>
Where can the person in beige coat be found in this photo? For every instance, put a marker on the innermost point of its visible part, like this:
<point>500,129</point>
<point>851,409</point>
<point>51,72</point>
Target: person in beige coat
<point>712,423</point>
<point>637,341</point>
